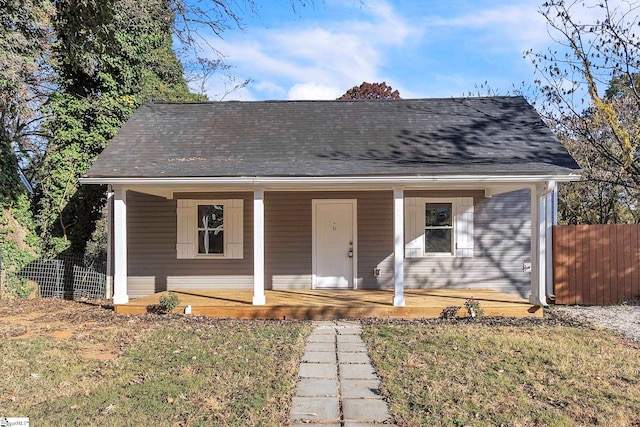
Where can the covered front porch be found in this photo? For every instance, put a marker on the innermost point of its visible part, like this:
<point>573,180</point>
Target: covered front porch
<point>336,304</point>
<point>273,237</point>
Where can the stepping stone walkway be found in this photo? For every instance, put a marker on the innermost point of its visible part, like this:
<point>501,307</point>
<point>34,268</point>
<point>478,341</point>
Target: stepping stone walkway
<point>337,385</point>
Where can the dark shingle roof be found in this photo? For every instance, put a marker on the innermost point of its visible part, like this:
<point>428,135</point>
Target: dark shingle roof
<point>498,135</point>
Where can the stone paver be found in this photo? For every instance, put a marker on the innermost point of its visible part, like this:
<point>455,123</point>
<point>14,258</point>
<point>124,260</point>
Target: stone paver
<point>360,389</point>
<point>352,347</point>
<point>365,410</point>
<point>320,346</point>
<point>317,370</point>
<point>330,332</point>
<point>349,338</point>
<point>324,324</point>
<point>321,338</point>
<point>360,371</point>
<point>337,385</point>
<point>348,330</point>
<point>319,357</point>
<point>324,330</point>
<point>344,357</point>
<point>309,387</point>
<point>346,323</point>
<point>315,408</point>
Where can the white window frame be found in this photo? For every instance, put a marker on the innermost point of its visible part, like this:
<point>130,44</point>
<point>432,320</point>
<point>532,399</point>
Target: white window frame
<point>452,249</point>
<point>199,203</point>
<point>462,238</point>
<point>187,228</point>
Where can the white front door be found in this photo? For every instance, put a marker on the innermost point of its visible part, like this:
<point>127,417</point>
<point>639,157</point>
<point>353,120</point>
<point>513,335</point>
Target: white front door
<point>334,243</point>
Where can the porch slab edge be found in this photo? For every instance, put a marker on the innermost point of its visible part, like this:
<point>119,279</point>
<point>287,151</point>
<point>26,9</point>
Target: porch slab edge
<point>330,313</point>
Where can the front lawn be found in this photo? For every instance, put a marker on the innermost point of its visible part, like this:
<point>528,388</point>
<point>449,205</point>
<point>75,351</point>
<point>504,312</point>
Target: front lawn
<point>66,363</point>
<point>58,368</point>
<point>510,373</point>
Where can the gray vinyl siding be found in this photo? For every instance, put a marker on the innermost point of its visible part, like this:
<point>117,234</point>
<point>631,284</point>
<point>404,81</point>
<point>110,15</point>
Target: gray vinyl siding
<point>501,244</point>
<point>288,237</point>
<point>153,264</point>
<point>287,248</point>
<point>375,240</point>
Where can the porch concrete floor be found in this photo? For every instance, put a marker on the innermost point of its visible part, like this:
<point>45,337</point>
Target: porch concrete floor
<point>336,304</point>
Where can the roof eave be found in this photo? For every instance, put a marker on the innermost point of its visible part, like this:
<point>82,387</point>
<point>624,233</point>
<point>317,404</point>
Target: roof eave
<point>337,180</point>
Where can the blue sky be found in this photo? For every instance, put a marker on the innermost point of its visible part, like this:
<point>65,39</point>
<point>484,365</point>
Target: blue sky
<point>422,48</point>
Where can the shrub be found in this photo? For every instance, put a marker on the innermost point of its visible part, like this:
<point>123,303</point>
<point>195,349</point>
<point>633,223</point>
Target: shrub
<point>450,312</point>
<point>21,289</point>
<point>474,309</point>
<point>18,245</point>
<point>168,302</point>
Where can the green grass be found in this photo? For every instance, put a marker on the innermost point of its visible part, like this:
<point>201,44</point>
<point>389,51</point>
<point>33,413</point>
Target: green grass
<point>466,374</point>
<point>180,371</point>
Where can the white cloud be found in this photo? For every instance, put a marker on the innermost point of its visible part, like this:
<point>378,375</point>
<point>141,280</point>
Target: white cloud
<point>421,49</point>
<point>312,91</point>
<point>270,87</point>
<point>520,23</point>
<point>389,27</point>
<point>319,59</point>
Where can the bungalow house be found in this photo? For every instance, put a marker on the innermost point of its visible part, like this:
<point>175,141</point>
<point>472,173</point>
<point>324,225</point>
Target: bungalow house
<point>386,194</point>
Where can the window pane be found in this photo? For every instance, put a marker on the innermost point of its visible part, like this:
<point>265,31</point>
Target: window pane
<point>211,242</point>
<point>210,216</point>
<point>438,214</point>
<point>437,240</point>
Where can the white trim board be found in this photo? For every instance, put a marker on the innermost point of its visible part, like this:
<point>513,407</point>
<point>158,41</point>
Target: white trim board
<point>340,180</point>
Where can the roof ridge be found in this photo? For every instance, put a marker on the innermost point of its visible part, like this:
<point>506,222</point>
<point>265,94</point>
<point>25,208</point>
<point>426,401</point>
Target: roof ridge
<point>276,101</point>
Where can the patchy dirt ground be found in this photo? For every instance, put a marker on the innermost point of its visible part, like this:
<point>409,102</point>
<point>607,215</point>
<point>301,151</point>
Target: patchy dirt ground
<point>46,316</point>
<point>91,324</point>
<point>90,319</point>
<point>85,322</point>
<point>79,363</point>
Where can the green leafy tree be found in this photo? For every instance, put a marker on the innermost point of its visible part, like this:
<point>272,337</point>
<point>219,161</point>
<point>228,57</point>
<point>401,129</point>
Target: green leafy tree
<point>71,72</point>
<point>25,40</point>
<point>109,62</point>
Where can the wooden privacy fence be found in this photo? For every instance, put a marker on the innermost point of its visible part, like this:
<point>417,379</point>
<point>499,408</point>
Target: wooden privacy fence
<point>596,264</point>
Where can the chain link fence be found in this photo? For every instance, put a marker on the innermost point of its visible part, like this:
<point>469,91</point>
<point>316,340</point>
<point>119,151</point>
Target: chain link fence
<point>67,276</point>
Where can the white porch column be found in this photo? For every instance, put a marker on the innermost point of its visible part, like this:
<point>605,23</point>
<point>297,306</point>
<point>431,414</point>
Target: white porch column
<point>551,220</point>
<point>120,295</point>
<point>541,259</point>
<point>258,248</point>
<point>398,247</point>
<point>109,290</point>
